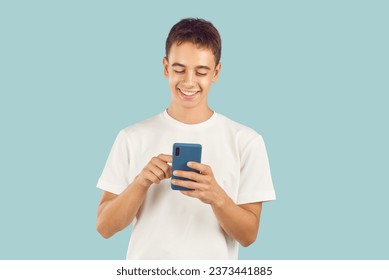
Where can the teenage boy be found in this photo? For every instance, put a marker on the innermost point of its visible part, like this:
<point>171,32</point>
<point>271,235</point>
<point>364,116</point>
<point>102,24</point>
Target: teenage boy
<point>224,207</point>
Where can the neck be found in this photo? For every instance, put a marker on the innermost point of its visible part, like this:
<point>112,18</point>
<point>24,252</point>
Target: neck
<point>190,115</point>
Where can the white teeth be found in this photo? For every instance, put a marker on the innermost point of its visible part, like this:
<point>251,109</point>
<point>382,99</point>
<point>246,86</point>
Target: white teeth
<point>189,93</point>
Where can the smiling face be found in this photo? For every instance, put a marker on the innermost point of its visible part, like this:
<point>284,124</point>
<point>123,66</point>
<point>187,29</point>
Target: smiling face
<point>191,71</point>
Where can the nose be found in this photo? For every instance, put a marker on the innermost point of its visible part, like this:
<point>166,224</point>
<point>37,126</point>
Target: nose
<point>189,78</point>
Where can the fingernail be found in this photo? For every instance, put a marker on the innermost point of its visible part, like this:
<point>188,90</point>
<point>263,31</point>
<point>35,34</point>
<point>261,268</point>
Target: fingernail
<point>175,172</point>
<point>189,164</point>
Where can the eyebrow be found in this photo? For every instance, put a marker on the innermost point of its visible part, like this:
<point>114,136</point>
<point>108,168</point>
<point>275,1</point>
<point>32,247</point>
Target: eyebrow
<point>197,67</point>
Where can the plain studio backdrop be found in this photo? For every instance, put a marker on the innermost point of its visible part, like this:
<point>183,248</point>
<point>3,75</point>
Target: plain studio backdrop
<point>311,77</point>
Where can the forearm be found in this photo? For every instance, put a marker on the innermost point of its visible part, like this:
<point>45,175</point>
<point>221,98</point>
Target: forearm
<point>240,224</point>
<point>117,213</point>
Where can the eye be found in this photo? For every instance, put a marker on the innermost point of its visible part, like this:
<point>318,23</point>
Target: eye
<point>179,71</point>
<point>201,74</point>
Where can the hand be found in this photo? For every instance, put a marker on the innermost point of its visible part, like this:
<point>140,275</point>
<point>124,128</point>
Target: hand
<point>155,171</point>
<point>205,186</point>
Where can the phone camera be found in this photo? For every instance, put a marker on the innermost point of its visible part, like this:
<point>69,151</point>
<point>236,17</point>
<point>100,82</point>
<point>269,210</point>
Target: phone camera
<point>177,152</point>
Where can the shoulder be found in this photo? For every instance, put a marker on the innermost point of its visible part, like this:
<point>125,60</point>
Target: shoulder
<point>149,125</point>
<point>244,139</point>
<point>240,131</point>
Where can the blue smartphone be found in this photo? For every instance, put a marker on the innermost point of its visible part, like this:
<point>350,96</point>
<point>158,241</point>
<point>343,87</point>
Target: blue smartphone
<point>182,154</point>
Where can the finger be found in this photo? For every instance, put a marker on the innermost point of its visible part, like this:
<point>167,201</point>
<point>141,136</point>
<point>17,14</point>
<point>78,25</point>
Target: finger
<point>189,193</point>
<point>186,184</point>
<point>163,166</point>
<point>199,195</point>
<point>150,176</point>
<point>168,171</point>
<point>165,158</point>
<point>189,175</point>
<point>204,169</point>
<point>158,172</point>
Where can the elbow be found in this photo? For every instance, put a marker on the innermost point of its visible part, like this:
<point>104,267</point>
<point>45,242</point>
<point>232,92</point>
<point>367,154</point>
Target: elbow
<point>248,241</point>
<point>103,230</point>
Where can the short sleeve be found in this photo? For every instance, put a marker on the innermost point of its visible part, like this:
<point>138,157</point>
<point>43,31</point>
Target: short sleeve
<point>115,176</point>
<point>256,184</point>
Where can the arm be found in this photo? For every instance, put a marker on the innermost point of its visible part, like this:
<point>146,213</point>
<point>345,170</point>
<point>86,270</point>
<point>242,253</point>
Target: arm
<point>116,212</point>
<point>241,222</point>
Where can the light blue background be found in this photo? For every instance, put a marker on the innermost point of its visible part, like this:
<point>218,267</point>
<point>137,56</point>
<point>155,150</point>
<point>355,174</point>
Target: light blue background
<point>310,76</point>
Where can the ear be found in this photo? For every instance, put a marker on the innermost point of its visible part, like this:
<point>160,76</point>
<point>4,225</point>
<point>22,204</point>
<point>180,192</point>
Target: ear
<point>216,73</point>
<point>165,67</point>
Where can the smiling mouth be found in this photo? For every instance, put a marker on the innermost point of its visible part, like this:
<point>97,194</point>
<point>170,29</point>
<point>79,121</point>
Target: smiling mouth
<point>188,92</point>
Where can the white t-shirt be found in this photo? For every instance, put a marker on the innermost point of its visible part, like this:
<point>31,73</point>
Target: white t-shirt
<point>170,225</point>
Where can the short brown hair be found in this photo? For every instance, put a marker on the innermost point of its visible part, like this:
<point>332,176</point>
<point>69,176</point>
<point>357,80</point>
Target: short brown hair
<point>198,32</point>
